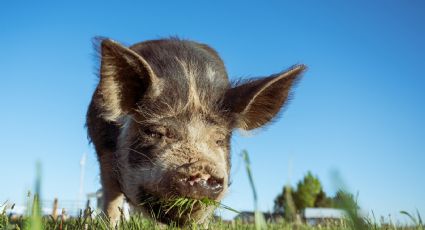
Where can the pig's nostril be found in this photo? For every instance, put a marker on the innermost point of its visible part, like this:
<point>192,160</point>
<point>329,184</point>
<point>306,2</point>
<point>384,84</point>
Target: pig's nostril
<point>200,186</point>
<point>215,183</point>
<point>212,185</point>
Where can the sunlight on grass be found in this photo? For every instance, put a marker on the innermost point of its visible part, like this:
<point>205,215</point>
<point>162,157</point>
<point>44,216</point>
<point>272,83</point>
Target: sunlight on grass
<point>181,205</point>
<point>260,222</point>
<point>35,222</point>
<point>89,219</point>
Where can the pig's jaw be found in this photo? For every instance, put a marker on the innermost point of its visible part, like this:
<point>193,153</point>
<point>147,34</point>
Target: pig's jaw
<point>152,207</point>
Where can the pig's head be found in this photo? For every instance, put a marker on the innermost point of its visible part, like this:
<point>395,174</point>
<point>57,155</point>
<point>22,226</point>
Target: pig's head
<point>177,109</point>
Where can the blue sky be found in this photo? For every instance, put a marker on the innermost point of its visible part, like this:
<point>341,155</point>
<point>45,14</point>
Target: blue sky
<point>359,109</point>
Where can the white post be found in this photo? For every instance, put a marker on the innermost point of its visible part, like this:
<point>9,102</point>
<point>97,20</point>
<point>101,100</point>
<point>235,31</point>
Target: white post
<point>81,191</point>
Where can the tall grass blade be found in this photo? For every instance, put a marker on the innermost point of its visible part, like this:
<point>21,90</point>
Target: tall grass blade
<point>419,218</point>
<point>260,222</point>
<point>349,204</point>
<point>416,221</point>
<point>35,221</point>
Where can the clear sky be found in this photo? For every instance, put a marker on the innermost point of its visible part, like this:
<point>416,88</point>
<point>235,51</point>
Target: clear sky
<point>359,110</point>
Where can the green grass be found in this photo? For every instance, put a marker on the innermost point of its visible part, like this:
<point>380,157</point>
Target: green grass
<point>260,223</point>
<point>184,207</point>
<point>180,207</point>
<point>137,222</point>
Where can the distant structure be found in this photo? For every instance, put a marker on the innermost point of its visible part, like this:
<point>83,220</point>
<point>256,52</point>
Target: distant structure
<point>95,199</point>
<point>248,217</point>
<point>311,216</point>
<point>314,216</point>
<point>82,175</point>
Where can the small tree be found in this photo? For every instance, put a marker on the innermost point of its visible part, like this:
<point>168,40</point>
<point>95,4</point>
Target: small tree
<point>345,200</point>
<point>323,201</point>
<point>307,191</point>
<point>279,202</point>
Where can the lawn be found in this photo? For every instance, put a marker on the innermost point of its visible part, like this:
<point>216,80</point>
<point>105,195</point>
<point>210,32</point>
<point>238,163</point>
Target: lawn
<point>136,222</point>
<point>33,220</point>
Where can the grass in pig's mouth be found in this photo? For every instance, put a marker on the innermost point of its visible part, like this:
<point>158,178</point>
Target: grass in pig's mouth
<point>177,209</point>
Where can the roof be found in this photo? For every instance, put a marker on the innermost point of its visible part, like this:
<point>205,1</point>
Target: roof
<point>322,213</point>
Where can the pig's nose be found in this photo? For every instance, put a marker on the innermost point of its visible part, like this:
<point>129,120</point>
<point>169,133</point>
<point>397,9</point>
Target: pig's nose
<point>200,179</point>
<point>199,185</point>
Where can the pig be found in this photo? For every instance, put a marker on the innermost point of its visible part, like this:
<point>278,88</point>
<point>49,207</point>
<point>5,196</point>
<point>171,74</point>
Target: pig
<point>161,119</point>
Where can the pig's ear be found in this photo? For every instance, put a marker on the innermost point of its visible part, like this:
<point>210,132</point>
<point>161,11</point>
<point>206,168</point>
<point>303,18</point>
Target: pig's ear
<point>125,77</point>
<point>256,102</point>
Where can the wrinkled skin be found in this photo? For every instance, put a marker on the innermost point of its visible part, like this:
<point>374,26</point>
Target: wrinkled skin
<point>161,120</point>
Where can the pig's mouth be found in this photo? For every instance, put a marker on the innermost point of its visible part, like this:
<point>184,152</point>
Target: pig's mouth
<point>172,208</point>
<point>182,199</point>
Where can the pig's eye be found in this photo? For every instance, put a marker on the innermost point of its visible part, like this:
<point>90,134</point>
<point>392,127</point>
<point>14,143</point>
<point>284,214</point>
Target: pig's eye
<point>154,133</point>
<point>220,142</point>
<point>170,135</point>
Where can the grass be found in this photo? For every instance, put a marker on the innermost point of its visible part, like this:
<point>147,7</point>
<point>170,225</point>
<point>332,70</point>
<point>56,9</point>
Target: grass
<point>180,207</point>
<point>137,222</point>
<point>260,223</point>
<point>185,207</point>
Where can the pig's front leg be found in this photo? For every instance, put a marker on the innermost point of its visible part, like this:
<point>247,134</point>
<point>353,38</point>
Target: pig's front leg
<point>113,198</point>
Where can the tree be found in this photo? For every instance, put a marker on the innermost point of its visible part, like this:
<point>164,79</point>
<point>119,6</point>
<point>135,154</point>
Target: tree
<point>345,200</point>
<point>323,201</point>
<point>307,191</point>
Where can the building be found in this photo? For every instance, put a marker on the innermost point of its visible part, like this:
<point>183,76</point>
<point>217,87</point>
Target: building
<point>314,216</point>
<point>249,217</point>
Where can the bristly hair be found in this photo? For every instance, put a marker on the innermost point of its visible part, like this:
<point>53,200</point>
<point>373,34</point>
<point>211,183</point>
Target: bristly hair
<point>243,80</point>
<point>97,54</point>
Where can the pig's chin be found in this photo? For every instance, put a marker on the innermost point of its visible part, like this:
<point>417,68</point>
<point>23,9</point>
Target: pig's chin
<point>160,210</point>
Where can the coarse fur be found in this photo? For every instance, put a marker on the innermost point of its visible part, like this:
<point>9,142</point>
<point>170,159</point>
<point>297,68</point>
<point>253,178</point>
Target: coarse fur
<point>161,119</point>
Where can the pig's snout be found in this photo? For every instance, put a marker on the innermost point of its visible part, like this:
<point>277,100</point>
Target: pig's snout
<point>199,180</point>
